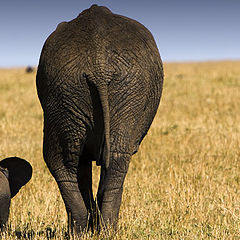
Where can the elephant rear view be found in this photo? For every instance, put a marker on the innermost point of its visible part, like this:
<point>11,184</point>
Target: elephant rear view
<point>99,82</point>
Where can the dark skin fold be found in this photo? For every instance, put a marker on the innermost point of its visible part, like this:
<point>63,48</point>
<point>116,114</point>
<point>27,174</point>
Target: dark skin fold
<point>99,82</point>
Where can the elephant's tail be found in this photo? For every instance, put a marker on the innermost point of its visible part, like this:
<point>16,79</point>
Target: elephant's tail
<point>102,89</point>
<point>103,94</point>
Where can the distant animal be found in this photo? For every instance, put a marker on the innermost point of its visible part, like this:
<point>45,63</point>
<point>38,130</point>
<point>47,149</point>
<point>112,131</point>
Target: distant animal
<point>99,81</point>
<point>14,173</point>
<point>29,69</point>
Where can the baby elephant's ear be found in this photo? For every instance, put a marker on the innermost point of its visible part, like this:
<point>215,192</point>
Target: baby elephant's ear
<point>19,173</point>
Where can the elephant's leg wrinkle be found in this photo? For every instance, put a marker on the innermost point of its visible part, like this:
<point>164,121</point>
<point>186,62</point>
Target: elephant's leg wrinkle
<point>110,189</point>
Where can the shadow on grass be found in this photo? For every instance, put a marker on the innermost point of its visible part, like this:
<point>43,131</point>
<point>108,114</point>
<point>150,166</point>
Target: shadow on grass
<point>47,232</point>
<point>28,233</point>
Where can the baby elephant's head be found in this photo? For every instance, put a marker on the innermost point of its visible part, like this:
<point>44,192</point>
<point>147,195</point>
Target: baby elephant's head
<point>14,173</point>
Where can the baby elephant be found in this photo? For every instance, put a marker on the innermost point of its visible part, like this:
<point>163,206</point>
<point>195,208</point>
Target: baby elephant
<point>14,173</point>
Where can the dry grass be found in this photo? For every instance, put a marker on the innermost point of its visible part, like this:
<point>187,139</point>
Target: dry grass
<point>182,184</point>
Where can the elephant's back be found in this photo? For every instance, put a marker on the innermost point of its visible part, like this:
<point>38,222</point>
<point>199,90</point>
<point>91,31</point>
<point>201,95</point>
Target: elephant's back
<point>96,41</point>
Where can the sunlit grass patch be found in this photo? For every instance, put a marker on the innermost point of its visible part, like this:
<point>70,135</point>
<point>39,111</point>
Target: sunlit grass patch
<point>182,184</point>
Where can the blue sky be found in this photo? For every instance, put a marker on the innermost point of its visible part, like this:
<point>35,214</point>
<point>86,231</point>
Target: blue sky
<point>185,30</point>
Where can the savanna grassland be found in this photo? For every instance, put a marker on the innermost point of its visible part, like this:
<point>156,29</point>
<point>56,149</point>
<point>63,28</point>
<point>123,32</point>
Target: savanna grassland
<point>184,183</point>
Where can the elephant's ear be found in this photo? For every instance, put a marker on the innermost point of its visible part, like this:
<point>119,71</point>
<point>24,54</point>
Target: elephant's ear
<point>19,173</point>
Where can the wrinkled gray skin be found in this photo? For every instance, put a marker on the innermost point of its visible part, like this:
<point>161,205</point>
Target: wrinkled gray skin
<point>99,82</point>
<point>14,173</point>
<point>5,197</point>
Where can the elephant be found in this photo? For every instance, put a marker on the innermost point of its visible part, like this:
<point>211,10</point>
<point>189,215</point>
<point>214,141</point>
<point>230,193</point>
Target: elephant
<point>14,173</point>
<point>99,81</point>
<point>29,69</point>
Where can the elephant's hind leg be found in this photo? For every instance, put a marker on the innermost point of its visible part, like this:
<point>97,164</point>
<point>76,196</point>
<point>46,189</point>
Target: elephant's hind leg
<point>73,199</point>
<point>62,161</point>
<point>110,190</point>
